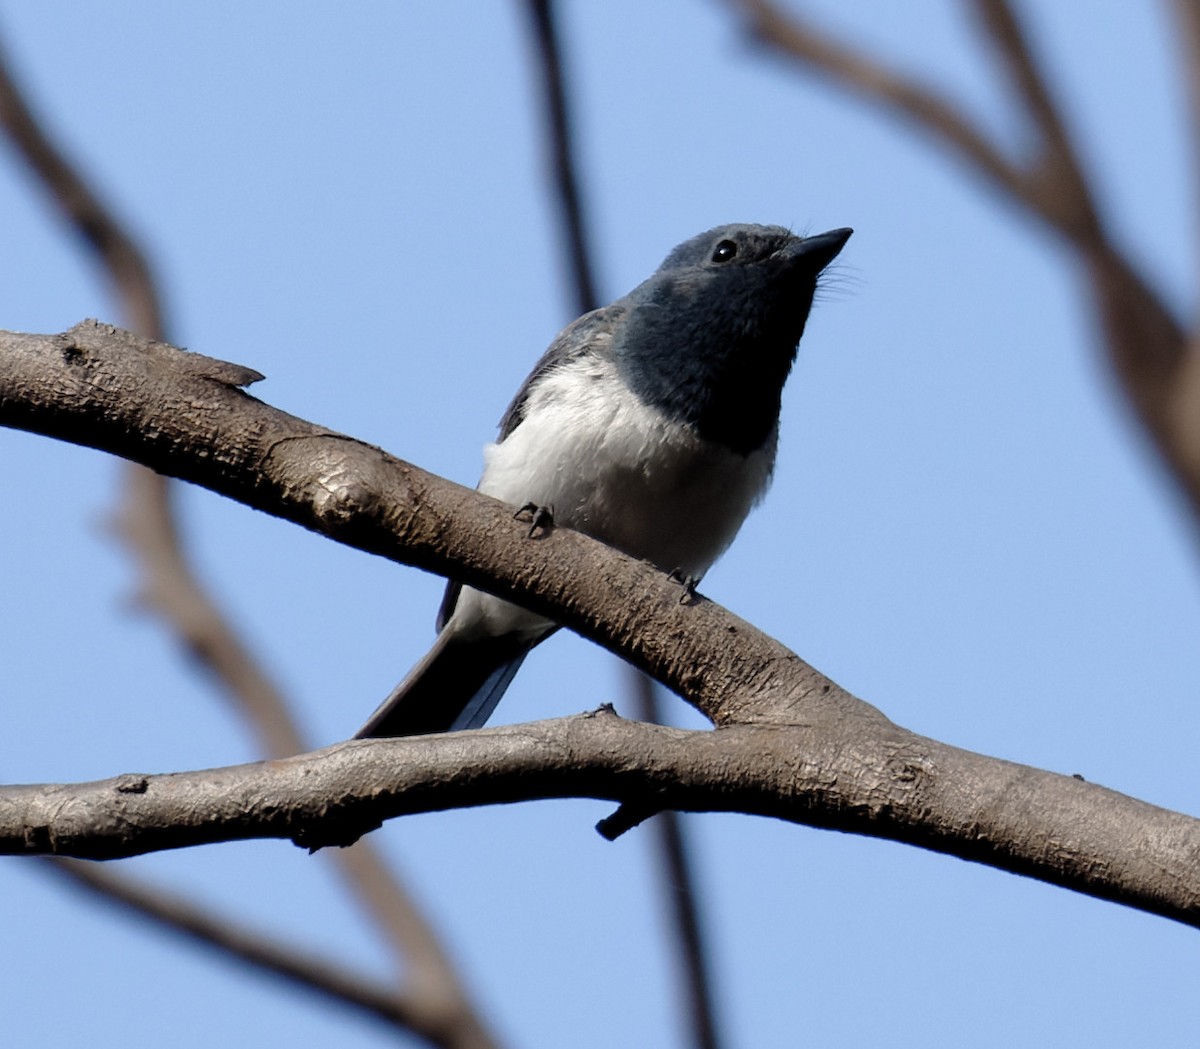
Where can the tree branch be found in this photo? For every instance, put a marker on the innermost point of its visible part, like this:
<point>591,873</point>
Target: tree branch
<point>405,1010</point>
<point>1186,407</point>
<point>561,153</point>
<point>796,747</point>
<point>170,586</point>
<point>1147,347</point>
<point>194,385</point>
<point>184,415</point>
<point>679,885</point>
<point>1055,183</point>
<point>147,522</point>
<point>1187,21</point>
<point>83,209</point>
<point>796,38</point>
<point>674,867</point>
<point>885,782</point>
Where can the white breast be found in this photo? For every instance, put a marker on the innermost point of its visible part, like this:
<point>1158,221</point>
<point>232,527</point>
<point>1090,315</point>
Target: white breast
<point>621,471</point>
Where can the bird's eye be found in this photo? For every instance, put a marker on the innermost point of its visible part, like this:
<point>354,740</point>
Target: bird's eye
<point>724,251</point>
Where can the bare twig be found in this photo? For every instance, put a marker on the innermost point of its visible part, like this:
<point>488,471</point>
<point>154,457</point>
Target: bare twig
<point>1187,401</point>
<point>146,524</point>
<point>411,1009</point>
<point>169,585</point>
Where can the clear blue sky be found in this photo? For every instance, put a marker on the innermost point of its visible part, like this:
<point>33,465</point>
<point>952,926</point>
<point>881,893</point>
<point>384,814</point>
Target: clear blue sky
<point>965,527</point>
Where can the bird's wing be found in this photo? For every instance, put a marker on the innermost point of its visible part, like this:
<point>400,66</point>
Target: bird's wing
<point>589,336</point>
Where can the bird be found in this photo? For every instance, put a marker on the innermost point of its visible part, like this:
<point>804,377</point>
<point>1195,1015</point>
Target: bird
<point>650,424</point>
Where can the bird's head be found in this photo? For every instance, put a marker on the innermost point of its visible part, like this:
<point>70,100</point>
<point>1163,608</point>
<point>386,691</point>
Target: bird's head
<point>712,334</point>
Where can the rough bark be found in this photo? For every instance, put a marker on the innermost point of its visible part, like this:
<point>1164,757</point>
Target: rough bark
<point>791,744</point>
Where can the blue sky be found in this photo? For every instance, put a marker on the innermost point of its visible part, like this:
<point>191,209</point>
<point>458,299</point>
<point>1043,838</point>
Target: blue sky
<point>966,528</point>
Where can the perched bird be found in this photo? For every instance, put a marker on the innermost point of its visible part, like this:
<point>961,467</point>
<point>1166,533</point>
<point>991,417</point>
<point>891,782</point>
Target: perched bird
<point>651,425</point>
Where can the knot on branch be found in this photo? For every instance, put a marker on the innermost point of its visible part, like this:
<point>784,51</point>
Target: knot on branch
<point>341,481</point>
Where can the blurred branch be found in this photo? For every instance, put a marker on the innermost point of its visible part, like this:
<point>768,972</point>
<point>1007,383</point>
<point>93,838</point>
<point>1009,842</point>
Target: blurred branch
<point>120,257</point>
<point>560,150</point>
<point>1055,183</point>
<point>1153,357</point>
<point>1187,19</point>
<point>146,521</point>
<point>674,867</point>
<point>794,745</point>
<point>169,586</point>
<point>146,524</point>
<point>260,951</point>
<point>795,37</point>
<point>679,885</point>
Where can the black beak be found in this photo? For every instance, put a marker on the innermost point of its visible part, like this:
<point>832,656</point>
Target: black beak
<point>815,253</point>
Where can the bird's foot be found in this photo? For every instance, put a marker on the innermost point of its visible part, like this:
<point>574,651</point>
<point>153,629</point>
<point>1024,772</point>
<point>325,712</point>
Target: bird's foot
<point>688,582</point>
<point>541,518</point>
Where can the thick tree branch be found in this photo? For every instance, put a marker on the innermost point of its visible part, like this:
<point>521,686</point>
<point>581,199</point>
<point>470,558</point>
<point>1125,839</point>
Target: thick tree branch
<point>813,753</point>
<point>183,414</point>
<point>884,782</point>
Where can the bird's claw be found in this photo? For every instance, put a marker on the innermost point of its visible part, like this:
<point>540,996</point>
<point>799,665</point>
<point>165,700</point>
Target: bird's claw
<point>688,582</point>
<point>540,518</point>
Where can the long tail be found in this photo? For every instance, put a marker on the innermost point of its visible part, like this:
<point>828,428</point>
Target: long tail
<point>455,686</point>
